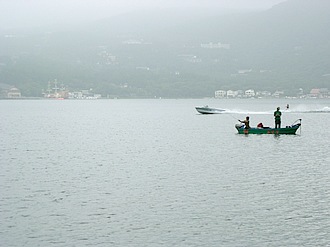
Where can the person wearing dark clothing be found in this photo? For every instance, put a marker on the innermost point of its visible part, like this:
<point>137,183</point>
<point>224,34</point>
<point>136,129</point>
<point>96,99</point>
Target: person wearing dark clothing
<point>246,122</point>
<point>277,115</point>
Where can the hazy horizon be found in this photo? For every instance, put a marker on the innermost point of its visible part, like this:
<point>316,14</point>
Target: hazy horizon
<point>22,13</point>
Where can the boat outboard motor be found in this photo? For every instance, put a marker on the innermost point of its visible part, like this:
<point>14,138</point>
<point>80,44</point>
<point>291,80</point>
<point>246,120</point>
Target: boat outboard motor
<point>239,125</point>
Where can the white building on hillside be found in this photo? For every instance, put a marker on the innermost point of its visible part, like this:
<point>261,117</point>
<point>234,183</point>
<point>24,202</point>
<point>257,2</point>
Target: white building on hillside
<point>215,46</point>
<point>278,94</point>
<point>220,94</point>
<point>232,94</point>
<point>250,93</point>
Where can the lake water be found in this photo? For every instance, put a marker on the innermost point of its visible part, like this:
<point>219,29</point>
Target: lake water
<point>157,173</point>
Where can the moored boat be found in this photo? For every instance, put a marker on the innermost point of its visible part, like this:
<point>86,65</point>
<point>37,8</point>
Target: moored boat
<point>288,130</point>
<point>208,110</point>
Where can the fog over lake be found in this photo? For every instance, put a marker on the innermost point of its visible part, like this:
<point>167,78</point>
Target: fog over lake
<point>18,13</point>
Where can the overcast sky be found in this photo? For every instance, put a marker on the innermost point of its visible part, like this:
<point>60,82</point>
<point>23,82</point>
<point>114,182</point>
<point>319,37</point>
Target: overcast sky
<point>22,13</point>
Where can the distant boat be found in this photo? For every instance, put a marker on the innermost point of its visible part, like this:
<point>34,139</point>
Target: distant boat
<point>288,130</point>
<point>208,110</point>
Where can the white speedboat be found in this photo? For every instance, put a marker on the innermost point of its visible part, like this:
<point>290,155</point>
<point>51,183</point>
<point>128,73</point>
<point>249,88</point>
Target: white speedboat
<point>208,110</point>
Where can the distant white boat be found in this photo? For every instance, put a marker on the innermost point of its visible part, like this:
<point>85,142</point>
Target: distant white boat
<point>208,110</point>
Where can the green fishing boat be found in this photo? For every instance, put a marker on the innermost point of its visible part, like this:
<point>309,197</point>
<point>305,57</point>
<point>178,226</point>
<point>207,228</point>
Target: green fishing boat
<point>288,130</point>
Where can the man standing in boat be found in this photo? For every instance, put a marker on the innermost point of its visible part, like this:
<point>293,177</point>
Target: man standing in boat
<point>246,122</point>
<point>277,115</point>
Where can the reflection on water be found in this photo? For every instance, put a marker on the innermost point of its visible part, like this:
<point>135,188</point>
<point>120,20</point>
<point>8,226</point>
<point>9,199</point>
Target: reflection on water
<point>153,172</point>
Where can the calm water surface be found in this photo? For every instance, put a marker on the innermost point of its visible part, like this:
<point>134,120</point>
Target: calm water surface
<point>157,173</point>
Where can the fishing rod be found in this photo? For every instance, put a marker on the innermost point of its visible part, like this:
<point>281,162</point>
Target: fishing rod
<point>233,117</point>
<point>299,119</point>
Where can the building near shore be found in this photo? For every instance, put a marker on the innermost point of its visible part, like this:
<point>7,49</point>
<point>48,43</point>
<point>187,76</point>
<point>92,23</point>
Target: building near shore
<point>14,93</point>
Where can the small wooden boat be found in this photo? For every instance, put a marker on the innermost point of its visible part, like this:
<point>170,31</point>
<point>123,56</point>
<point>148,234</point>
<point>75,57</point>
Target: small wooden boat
<point>288,130</point>
<point>208,110</point>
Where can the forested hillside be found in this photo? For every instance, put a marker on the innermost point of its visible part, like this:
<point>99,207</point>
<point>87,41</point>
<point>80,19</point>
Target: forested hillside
<point>176,53</point>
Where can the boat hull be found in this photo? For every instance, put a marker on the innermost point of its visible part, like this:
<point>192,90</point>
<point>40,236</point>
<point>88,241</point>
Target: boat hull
<point>208,110</point>
<point>289,130</point>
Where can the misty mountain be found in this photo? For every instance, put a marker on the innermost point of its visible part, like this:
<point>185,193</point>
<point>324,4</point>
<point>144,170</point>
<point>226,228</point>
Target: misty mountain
<point>176,53</point>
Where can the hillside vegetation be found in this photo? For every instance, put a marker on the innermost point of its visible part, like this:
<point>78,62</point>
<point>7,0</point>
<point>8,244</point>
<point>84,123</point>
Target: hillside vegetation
<point>169,54</point>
